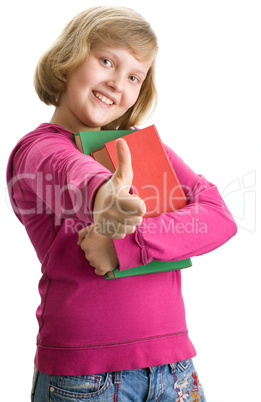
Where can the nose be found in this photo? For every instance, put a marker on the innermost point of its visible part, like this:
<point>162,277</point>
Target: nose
<point>116,82</point>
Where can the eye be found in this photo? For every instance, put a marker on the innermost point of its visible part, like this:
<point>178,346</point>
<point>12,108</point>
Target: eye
<point>133,79</point>
<point>106,62</point>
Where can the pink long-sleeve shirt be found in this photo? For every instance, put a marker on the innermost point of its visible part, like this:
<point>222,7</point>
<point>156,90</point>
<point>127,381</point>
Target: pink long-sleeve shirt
<point>88,324</point>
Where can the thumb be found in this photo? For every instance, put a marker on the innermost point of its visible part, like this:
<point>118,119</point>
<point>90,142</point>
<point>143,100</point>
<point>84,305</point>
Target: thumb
<point>124,171</point>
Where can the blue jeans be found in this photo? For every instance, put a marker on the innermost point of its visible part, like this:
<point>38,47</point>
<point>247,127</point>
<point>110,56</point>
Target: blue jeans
<point>171,382</point>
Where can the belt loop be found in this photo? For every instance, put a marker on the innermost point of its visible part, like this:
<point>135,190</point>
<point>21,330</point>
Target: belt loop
<point>117,377</point>
<point>117,381</point>
<point>173,367</point>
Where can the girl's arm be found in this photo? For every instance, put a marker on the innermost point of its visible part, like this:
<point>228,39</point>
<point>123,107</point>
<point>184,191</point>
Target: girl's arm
<point>47,173</point>
<point>50,174</point>
<point>203,225</point>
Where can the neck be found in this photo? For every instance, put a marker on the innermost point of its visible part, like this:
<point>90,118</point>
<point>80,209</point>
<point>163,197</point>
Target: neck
<point>69,122</point>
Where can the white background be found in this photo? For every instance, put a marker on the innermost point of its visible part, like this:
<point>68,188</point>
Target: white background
<point>208,78</point>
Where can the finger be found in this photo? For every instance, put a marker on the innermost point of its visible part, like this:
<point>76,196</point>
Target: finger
<point>83,233</point>
<point>99,272</point>
<point>103,271</point>
<point>125,220</point>
<point>124,171</point>
<point>130,205</point>
<point>115,229</point>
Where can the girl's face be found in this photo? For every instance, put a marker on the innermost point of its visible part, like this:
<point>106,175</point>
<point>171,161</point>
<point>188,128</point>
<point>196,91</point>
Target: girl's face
<point>101,90</point>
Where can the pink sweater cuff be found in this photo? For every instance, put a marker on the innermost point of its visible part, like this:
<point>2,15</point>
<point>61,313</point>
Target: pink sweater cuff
<point>130,251</point>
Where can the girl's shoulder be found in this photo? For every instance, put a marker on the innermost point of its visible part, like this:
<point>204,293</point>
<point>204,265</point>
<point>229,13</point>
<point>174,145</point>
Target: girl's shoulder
<point>45,132</point>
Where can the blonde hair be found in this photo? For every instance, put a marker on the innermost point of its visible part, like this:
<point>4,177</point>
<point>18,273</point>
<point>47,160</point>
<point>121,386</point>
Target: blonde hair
<point>113,26</point>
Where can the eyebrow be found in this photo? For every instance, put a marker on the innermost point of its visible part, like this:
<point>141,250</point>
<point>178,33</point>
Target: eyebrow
<point>141,72</point>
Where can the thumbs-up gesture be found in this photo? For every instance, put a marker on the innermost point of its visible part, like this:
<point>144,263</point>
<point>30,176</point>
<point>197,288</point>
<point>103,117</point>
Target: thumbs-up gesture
<point>116,212</point>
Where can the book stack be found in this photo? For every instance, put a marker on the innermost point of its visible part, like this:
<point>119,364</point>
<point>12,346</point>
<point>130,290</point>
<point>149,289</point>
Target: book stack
<point>154,180</point>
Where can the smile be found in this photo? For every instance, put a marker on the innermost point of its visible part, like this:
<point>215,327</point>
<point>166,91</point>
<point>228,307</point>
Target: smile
<point>103,98</point>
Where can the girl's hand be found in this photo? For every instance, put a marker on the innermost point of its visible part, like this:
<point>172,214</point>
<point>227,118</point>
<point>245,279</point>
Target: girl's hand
<point>116,212</point>
<point>99,250</point>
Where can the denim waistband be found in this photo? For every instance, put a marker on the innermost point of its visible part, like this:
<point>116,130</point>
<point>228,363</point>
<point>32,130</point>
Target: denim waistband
<point>152,369</point>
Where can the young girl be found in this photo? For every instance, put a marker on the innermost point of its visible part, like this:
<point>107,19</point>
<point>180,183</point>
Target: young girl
<point>109,340</point>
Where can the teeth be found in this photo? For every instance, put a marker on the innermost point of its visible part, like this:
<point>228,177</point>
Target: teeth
<point>103,98</point>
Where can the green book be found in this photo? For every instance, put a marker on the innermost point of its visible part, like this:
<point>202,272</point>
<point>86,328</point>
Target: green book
<point>90,141</point>
<point>150,268</point>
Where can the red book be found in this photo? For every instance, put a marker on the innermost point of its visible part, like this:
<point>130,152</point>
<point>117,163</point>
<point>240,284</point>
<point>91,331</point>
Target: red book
<point>154,179</point>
